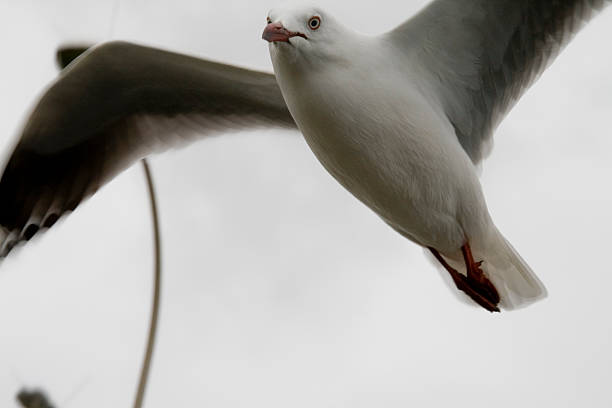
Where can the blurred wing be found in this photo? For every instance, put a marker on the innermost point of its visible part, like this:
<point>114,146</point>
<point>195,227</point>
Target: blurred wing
<point>479,56</point>
<point>114,105</point>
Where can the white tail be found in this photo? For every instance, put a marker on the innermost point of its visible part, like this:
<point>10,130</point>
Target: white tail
<point>516,283</point>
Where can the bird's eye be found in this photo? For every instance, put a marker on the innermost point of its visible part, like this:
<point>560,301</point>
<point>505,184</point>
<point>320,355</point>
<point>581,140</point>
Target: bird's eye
<point>268,20</point>
<point>314,22</point>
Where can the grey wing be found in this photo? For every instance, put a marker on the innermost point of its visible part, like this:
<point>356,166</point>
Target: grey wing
<point>478,56</point>
<point>114,105</point>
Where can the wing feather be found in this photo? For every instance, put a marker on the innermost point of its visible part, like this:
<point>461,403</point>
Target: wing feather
<point>114,105</point>
<point>479,56</point>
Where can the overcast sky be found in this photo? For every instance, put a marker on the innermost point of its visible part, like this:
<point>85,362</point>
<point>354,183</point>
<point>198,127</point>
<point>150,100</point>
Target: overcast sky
<point>281,289</point>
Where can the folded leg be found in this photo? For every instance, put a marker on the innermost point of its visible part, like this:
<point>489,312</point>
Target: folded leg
<point>476,275</point>
<point>476,285</point>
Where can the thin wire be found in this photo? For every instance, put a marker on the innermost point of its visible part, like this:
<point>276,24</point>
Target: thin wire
<point>146,363</point>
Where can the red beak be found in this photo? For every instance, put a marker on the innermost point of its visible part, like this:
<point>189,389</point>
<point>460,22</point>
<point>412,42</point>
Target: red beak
<point>275,32</point>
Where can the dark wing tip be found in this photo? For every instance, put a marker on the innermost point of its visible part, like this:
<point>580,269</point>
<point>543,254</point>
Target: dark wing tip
<point>37,189</point>
<point>66,54</point>
<point>30,198</point>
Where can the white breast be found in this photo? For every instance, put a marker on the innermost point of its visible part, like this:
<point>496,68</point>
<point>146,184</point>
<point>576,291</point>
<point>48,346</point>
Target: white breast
<point>378,135</point>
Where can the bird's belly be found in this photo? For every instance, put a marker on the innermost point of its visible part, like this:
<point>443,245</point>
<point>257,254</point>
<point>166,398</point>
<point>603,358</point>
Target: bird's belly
<point>392,151</point>
<point>406,179</point>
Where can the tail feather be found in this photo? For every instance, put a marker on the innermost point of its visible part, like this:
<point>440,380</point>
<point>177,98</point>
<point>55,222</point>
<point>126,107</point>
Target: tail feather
<point>517,284</point>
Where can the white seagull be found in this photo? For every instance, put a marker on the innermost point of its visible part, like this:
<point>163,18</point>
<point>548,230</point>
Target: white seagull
<point>400,120</point>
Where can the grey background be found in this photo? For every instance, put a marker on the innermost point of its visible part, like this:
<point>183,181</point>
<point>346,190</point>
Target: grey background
<point>280,289</point>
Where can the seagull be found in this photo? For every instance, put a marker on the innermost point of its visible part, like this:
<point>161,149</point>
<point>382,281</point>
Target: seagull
<point>401,120</point>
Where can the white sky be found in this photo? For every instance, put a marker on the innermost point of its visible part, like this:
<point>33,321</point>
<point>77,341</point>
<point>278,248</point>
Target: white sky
<point>280,289</point>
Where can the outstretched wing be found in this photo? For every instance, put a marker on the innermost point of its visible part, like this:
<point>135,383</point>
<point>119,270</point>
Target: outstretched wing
<point>479,56</point>
<point>114,105</point>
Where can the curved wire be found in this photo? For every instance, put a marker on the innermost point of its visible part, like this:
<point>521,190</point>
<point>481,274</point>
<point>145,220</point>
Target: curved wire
<point>146,363</point>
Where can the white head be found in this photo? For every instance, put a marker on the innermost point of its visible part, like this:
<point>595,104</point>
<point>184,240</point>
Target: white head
<point>304,37</point>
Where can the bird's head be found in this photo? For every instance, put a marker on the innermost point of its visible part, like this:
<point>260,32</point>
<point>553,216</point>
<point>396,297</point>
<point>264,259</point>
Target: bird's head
<point>303,37</point>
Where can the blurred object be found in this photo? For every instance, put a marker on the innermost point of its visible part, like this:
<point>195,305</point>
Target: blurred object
<point>67,54</point>
<point>33,399</point>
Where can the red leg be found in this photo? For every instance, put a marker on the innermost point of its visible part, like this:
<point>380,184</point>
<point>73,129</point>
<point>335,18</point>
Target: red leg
<point>476,275</point>
<point>467,285</point>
